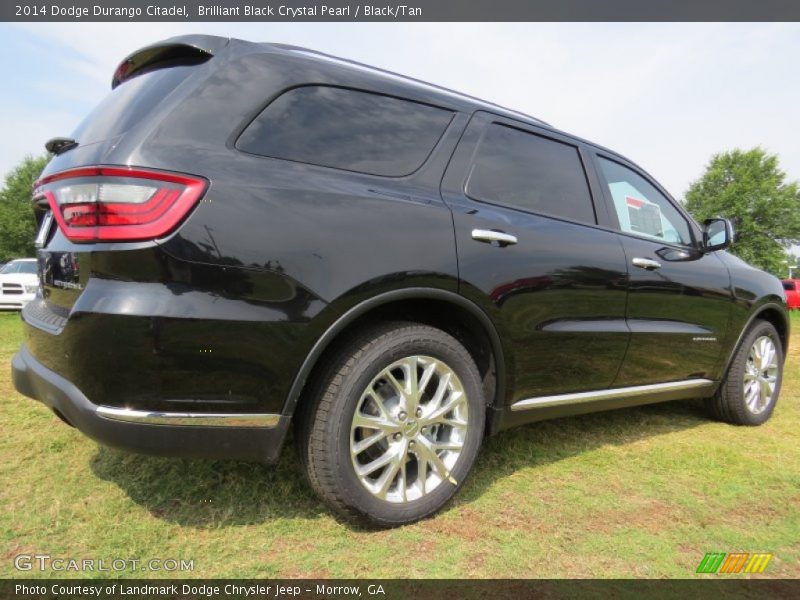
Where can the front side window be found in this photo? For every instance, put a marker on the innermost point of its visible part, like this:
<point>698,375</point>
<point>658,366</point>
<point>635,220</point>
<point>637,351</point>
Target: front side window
<point>641,208</point>
<point>530,172</point>
<point>346,129</point>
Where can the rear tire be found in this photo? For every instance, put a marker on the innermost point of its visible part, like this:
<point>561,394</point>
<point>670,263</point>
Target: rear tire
<point>392,425</point>
<point>750,390</point>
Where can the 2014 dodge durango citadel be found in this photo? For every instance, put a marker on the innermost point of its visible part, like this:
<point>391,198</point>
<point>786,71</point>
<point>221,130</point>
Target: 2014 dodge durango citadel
<point>246,237</point>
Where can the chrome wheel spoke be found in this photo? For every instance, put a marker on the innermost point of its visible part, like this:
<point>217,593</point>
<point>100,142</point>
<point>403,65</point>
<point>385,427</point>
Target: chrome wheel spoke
<point>427,374</point>
<point>769,358</point>
<point>441,390</point>
<point>455,399</point>
<point>387,477</point>
<point>763,350</point>
<point>403,481</point>
<point>362,445</point>
<point>426,453</point>
<point>371,422</point>
<point>766,390</point>
<point>449,445</point>
<point>757,355</point>
<point>751,390</point>
<point>376,464</point>
<point>454,423</point>
<point>751,399</point>
<point>422,474</point>
<point>412,385</point>
<point>408,429</point>
<point>378,401</point>
<point>392,380</point>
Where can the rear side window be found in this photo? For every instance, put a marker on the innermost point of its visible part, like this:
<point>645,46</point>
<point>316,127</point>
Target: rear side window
<point>527,171</point>
<point>788,285</point>
<point>346,129</point>
<point>129,103</point>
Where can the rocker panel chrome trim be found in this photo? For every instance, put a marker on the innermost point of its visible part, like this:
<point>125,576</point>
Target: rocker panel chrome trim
<point>625,392</point>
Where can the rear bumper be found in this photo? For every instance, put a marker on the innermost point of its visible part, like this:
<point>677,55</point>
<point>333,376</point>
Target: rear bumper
<point>193,435</point>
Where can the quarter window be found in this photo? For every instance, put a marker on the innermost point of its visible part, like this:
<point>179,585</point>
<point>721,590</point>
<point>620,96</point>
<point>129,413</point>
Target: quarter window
<point>527,171</point>
<point>346,129</point>
<point>641,208</point>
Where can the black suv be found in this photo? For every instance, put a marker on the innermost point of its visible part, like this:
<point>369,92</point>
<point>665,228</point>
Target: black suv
<point>242,236</point>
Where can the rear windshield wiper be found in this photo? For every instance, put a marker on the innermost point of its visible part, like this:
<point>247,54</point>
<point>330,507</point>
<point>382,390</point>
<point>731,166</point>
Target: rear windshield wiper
<point>57,145</point>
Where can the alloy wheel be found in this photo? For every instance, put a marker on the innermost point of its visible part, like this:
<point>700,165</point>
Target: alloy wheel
<point>408,429</point>
<point>760,375</point>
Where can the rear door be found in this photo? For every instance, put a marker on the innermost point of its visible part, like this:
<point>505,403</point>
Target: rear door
<point>679,298</point>
<point>532,254</point>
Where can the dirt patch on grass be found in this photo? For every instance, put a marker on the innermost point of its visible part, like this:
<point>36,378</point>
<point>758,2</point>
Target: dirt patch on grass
<point>464,522</point>
<point>743,512</point>
<point>286,552</point>
<point>646,514</point>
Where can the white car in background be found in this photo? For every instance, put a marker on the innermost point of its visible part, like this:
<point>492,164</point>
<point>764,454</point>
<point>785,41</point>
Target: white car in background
<point>18,283</point>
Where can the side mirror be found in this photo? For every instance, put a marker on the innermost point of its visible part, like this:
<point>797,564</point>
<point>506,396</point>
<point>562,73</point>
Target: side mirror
<point>717,234</point>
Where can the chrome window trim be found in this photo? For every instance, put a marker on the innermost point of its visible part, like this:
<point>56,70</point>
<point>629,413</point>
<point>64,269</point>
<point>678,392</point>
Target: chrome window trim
<point>193,419</point>
<point>609,394</point>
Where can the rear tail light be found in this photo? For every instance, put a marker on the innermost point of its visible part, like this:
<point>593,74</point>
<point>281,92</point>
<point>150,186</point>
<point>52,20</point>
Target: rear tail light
<point>97,204</point>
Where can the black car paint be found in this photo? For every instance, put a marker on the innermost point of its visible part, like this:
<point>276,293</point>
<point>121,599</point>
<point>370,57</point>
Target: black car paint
<point>231,312</point>
<point>562,285</point>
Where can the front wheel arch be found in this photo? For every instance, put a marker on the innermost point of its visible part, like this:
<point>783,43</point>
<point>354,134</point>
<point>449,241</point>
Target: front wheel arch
<point>773,313</point>
<point>735,400</point>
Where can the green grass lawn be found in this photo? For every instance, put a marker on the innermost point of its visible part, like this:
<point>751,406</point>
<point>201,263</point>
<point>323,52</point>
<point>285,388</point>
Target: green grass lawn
<point>632,493</point>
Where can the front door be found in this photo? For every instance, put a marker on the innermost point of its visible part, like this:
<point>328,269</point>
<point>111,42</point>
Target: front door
<point>679,298</point>
<point>531,253</point>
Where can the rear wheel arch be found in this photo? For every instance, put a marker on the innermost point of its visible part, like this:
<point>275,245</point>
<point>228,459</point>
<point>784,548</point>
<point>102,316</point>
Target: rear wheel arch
<point>439,308</point>
<point>379,446</point>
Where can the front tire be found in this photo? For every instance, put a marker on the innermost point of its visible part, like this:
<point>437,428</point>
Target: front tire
<point>393,425</point>
<point>750,390</point>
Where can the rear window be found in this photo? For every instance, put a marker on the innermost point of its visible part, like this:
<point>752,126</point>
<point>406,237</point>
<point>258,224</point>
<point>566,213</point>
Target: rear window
<point>346,129</point>
<point>129,103</point>
<point>788,285</point>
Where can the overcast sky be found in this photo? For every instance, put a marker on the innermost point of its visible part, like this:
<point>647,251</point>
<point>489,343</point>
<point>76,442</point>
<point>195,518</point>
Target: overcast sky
<point>668,96</point>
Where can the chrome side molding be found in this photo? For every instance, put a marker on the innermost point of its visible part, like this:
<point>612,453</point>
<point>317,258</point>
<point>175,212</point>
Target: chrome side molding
<point>624,392</point>
<point>193,419</point>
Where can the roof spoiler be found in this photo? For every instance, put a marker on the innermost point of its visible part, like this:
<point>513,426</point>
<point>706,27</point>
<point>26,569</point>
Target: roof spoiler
<point>185,49</point>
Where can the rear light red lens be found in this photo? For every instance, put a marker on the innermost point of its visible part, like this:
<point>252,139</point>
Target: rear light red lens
<point>95,204</point>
